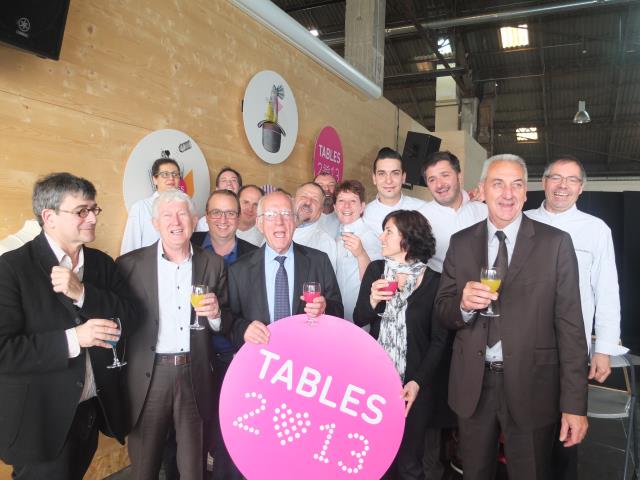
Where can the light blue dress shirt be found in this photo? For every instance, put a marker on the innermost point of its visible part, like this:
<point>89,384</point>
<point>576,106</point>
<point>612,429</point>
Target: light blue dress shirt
<point>271,266</point>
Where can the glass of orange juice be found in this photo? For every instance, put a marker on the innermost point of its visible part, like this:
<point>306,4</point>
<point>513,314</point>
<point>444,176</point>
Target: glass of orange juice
<point>197,295</point>
<point>491,277</point>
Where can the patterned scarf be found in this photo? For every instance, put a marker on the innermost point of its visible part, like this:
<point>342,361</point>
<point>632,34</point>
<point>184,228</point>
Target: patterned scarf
<point>393,326</point>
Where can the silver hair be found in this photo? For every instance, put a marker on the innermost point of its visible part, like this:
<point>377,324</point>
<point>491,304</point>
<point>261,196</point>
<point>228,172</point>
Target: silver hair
<point>49,192</point>
<point>173,195</point>
<point>277,192</point>
<point>503,157</point>
<point>568,159</point>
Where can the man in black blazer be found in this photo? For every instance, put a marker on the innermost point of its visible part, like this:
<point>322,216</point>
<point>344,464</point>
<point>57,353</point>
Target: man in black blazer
<point>56,299</point>
<point>517,372</point>
<point>254,279</point>
<point>169,381</point>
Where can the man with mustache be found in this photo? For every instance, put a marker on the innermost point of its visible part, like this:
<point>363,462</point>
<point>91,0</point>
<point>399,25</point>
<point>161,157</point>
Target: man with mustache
<point>328,220</point>
<point>308,205</point>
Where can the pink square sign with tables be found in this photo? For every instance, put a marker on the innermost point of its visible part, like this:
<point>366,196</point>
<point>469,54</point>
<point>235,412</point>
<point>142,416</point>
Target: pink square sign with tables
<point>319,401</point>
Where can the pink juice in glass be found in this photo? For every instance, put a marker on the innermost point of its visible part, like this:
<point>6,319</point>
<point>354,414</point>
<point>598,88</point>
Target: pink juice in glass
<point>310,296</point>
<point>392,287</point>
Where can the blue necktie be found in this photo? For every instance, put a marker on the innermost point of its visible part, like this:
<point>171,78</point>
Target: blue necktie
<point>281,306</point>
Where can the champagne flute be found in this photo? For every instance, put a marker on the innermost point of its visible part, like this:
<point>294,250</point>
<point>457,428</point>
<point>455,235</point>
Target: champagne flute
<point>197,295</point>
<point>345,229</point>
<point>492,278</point>
<point>392,286</point>
<point>311,291</point>
<point>116,363</point>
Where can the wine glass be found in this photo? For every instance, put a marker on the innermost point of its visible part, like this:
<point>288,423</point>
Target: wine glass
<point>197,294</point>
<point>116,363</point>
<point>311,291</point>
<point>345,229</point>
<point>392,286</point>
<point>491,277</point>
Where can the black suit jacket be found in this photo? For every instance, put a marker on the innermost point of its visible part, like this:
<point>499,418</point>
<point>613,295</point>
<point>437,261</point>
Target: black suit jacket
<point>243,246</point>
<point>40,386</point>
<point>248,291</point>
<point>542,333</point>
<point>139,268</point>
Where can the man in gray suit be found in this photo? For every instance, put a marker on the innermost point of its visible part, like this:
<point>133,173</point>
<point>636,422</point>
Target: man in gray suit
<point>266,284</point>
<point>518,372</point>
<point>170,382</point>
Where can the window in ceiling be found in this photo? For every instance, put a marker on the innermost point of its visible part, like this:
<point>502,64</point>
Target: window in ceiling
<point>444,47</point>
<point>527,134</point>
<point>513,37</point>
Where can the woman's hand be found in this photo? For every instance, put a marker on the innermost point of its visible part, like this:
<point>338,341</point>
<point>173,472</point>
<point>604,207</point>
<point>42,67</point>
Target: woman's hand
<point>377,294</point>
<point>409,395</point>
<point>352,243</point>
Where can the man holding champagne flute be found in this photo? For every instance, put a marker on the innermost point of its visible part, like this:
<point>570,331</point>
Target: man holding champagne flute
<point>57,297</point>
<point>170,382</point>
<point>515,373</point>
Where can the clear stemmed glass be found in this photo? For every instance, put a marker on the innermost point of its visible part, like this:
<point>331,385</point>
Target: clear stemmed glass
<point>197,294</point>
<point>391,287</point>
<point>311,291</point>
<point>491,277</point>
<point>116,363</point>
<point>345,229</point>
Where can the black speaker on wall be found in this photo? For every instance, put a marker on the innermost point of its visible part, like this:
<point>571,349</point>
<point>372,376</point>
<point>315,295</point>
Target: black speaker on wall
<point>417,148</point>
<point>34,25</point>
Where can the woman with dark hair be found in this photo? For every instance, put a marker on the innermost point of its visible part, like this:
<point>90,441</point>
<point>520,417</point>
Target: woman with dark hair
<point>139,231</point>
<point>402,323</point>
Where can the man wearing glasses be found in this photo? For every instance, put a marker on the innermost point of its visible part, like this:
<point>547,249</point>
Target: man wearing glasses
<point>139,231</point>
<point>266,284</point>
<point>57,297</point>
<point>563,182</point>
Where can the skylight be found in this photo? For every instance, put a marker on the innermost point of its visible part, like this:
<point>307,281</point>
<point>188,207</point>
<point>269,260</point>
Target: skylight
<point>513,37</point>
<point>444,46</point>
<point>527,134</point>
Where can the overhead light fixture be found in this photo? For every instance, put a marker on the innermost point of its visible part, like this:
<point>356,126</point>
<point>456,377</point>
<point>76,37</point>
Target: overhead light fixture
<point>581,116</point>
<point>314,32</point>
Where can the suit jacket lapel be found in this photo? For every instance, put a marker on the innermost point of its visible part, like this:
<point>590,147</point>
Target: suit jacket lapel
<point>524,244</point>
<point>301,275</point>
<point>256,271</point>
<point>480,246</point>
<point>149,270</point>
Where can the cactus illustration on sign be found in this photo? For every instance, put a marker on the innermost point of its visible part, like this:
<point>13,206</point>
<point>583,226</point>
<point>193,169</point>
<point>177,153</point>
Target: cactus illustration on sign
<point>272,132</point>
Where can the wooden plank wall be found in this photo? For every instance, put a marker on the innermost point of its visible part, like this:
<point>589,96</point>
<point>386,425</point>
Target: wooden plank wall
<point>129,67</point>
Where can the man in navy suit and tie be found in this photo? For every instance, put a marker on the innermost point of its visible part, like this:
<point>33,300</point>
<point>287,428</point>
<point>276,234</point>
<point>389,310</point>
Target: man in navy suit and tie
<point>266,285</point>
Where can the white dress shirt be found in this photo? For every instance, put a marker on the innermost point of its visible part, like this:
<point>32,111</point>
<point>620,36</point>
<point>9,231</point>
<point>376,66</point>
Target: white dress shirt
<point>253,236</point>
<point>375,210</point>
<point>315,236</point>
<point>347,272</point>
<point>73,345</point>
<point>139,231</point>
<point>330,223</point>
<point>599,294</point>
<point>445,221</point>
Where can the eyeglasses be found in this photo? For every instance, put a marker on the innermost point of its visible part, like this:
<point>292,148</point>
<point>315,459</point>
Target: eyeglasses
<point>271,215</point>
<point>166,175</point>
<point>572,180</point>
<point>231,214</point>
<point>84,211</point>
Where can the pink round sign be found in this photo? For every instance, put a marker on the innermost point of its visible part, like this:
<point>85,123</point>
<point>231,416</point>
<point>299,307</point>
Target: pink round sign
<point>327,155</point>
<point>319,401</point>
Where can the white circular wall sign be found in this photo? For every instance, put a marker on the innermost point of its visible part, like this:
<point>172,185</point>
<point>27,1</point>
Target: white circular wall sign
<point>168,143</point>
<point>270,116</point>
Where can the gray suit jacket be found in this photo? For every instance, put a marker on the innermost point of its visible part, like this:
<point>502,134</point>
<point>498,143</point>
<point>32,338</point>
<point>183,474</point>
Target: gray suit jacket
<point>248,292</point>
<point>543,344</point>
<point>140,270</point>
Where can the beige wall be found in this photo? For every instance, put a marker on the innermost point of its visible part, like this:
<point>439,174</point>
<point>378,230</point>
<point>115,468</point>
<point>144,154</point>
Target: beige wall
<point>130,67</point>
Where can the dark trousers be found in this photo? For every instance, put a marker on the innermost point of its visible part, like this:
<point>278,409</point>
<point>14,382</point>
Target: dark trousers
<point>408,462</point>
<point>76,455</point>
<point>528,452</point>
<point>564,461</point>
<point>169,403</point>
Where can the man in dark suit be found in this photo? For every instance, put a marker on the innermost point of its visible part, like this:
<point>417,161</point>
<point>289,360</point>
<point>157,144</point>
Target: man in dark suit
<point>170,382</point>
<point>222,215</point>
<point>56,299</point>
<point>266,285</point>
<point>518,372</point>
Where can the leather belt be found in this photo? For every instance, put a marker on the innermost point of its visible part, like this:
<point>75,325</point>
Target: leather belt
<point>173,358</point>
<point>497,367</point>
